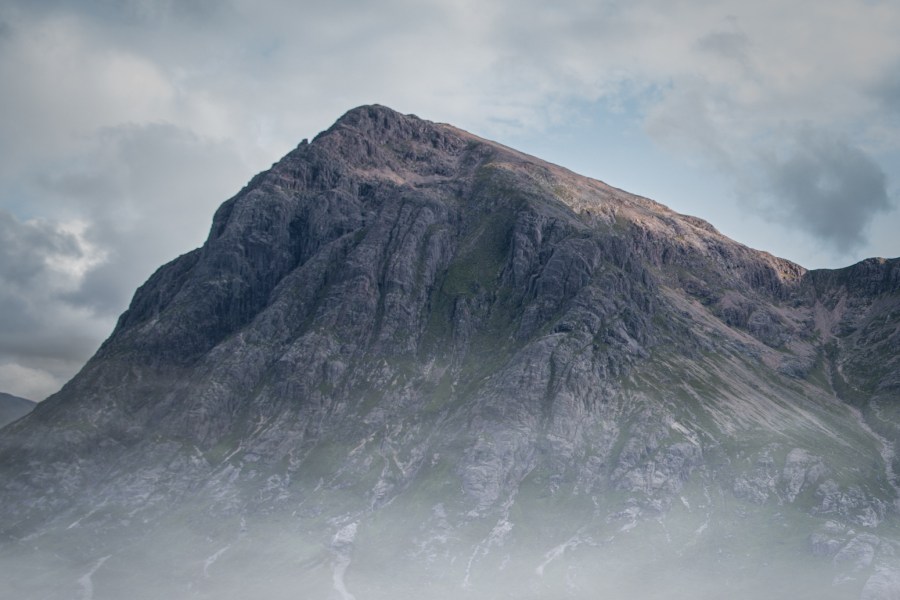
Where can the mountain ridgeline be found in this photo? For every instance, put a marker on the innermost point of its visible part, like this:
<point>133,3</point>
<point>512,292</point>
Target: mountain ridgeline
<point>409,362</point>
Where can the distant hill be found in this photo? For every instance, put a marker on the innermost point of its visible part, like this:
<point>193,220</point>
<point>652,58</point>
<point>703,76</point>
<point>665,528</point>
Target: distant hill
<point>13,408</point>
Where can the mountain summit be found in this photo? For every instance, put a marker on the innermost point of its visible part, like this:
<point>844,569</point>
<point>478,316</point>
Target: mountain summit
<point>409,362</point>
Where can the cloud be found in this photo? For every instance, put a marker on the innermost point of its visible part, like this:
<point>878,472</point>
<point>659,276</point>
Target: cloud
<point>40,334</point>
<point>25,382</point>
<point>148,193</point>
<point>885,91</point>
<point>730,45</point>
<point>138,197</point>
<point>30,248</point>
<point>829,188</point>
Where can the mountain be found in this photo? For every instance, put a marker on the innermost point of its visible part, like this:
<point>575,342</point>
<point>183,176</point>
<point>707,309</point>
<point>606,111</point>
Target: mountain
<point>409,362</point>
<point>13,408</point>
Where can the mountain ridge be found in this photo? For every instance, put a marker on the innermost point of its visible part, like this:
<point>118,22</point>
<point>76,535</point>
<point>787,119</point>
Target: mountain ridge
<point>404,337</point>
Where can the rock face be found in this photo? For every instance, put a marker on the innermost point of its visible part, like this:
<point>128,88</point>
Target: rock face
<point>13,408</point>
<point>409,362</point>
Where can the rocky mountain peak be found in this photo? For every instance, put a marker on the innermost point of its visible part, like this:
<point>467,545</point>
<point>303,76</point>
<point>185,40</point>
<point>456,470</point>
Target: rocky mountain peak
<point>378,122</point>
<point>379,142</point>
<point>405,349</point>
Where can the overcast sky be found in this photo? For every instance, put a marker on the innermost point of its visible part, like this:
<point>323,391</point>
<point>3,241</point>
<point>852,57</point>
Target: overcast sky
<point>125,123</point>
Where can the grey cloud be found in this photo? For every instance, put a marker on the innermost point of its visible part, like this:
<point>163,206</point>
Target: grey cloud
<point>887,91</point>
<point>62,340</point>
<point>732,45</point>
<point>156,9</point>
<point>687,119</point>
<point>40,334</point>
<point>148,193</point>
<point>27,246</point>
<point>144,195</point>
<point>830,189</point>
<point>134,12</point>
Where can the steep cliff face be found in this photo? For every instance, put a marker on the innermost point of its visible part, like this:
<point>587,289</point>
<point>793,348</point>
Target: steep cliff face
<point>409,361</point>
